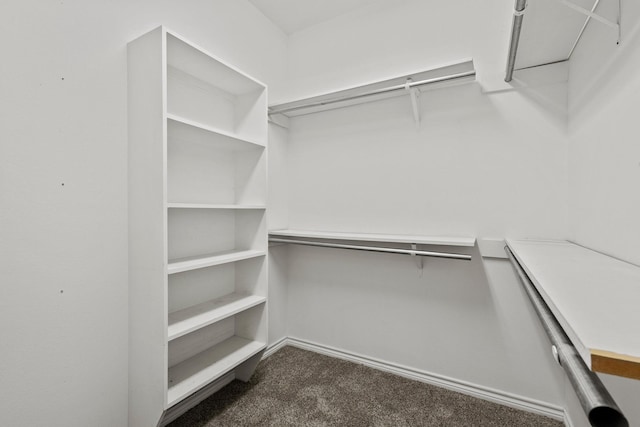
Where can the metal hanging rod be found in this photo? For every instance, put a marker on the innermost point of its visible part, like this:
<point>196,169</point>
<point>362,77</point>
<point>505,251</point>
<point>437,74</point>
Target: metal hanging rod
<point>518,16</point>
<point>594,398</point>
<point>414,252</point>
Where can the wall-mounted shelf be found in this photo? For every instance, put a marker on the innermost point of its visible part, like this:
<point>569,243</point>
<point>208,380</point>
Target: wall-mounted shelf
<point>354,241</point>
<point>212,206</point>
<point>181,129</point>
<point>410,84</point>
<point>190,319</point>
<point>194,373</point>
<point>202,261</point>
<point>594,297</point>
<point>369,237</point>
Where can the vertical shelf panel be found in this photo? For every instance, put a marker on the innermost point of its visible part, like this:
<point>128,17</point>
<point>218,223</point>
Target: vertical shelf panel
<point>147,228</point>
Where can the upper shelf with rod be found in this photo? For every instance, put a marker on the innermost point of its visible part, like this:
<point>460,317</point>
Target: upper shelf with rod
<point>547,31</point>
<point>361,242</point>
<point>410,85</point>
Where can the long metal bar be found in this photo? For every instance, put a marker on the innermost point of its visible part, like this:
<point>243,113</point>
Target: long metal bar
<point>518,16</point>
<point>464,257</point>
<point>398,87</point>
<point>594,398</point>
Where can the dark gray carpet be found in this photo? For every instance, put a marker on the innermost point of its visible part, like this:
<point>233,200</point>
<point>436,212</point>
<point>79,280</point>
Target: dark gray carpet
<point>294,387</point>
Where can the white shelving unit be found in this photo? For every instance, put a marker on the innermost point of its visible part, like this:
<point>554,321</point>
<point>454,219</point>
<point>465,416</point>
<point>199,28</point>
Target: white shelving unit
<point>197,216</point>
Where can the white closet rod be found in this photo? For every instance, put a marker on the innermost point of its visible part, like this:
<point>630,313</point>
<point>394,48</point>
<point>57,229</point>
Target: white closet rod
<point>398,87</point>
<point>464,257</point>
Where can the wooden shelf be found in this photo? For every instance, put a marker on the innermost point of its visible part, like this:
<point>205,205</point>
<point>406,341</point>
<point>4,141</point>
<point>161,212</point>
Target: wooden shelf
<point>391,238</point>
<point>182,129</point>
<point>202,261</point>
<point>212,206</point>
<point>593,296</point>
<point>190,319</point>
<point>191,375</point>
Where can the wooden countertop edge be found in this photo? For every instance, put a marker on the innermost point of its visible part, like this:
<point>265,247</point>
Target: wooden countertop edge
<point>608,362</point>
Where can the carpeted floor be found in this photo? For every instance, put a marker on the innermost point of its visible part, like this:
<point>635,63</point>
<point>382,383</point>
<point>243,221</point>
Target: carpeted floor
<point>295,387</point>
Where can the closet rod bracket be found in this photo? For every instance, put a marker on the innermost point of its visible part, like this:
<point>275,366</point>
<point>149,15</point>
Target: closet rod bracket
<point>419,259</point>
<point>414,94</point>
<point>590,14</point>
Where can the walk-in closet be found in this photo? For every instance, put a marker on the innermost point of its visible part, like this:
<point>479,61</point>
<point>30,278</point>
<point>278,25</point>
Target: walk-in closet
<point>320,213</point>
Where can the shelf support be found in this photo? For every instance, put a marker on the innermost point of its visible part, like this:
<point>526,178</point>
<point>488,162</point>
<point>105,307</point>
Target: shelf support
<point>419,260</point>
<point>592,15</point>
<point>414,94</point>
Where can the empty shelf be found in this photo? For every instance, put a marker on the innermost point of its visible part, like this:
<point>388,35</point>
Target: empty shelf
<point>204,66</point>
<point>212,206</point>
<point>593,296</point>
<point>392,238</point>
<point>191,375</point>
<point>181,129</point>
<point>202,261</point>
<point>192,318</point>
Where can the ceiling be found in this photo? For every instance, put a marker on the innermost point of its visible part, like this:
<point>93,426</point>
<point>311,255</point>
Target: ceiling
<point>296,15</point>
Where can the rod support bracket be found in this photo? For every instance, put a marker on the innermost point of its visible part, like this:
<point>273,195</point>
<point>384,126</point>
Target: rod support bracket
<point>590,14</point>
<point>414,94</point>
<point>418,259</point>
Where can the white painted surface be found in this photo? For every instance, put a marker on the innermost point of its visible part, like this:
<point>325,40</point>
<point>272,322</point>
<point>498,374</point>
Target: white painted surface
<point>278,217</point>
<point>191,318</point>
<point>486,163</point>
<point>463,320</point>
<point>185,129</point>
<point>492,247</point>
<point>209,260</point>
<point>369,237</point>
<point>63,119</point>
<point>593,296</point>
<point>146,107</point>
<point>198,371</point>
<point>208,206</point>
<point>296,15</point>
<point>604,159</point>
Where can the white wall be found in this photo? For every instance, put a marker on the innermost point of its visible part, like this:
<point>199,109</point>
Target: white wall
<point>485,162</point>
<point>604,159</point>
<point>63,114</point>
<point>278,218</point>
<point>604,156</point>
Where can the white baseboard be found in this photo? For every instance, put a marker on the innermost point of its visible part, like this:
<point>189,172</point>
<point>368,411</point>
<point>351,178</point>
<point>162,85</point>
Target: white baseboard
<point>275,347</point>
<point>485,393</point>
